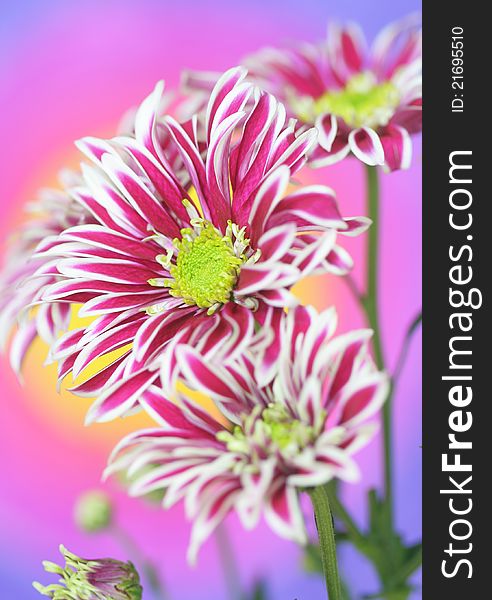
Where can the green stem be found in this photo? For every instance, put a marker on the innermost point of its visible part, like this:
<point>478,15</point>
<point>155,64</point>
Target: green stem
<point>132,548</point>
<point>371,305</point>
<point>229,565</point>
<point>326,534</point>
<point>370,300</point>
<point>410,567</point>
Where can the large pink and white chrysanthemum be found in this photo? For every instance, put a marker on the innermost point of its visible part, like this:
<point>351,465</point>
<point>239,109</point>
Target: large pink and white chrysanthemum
<point>362,100</point>
<point>194,236</point>
<point>298,430</point>
<point>53,213</point>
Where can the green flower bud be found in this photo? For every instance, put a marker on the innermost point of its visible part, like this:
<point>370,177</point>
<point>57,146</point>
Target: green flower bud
<point>93,511</point>
<point>91,579</point>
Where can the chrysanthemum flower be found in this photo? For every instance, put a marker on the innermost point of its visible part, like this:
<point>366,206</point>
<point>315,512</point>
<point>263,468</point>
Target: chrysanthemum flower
<point>194,255</point>
<point>91,579</point>
<point>297,431</point>
<point>53,213</point>
<point>367,102</point>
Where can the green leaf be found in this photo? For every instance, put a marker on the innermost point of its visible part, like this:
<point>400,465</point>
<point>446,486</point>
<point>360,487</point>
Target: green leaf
<point>312,556</point>
<point>312,559</point>
<point>393,559</point>
<point>259,592</point>
<point>401,593</point>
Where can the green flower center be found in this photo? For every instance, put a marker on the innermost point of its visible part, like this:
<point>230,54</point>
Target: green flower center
<point>206,266</point>
<point>284,430</point>
<point>363,102</point>
<point>271,428</point>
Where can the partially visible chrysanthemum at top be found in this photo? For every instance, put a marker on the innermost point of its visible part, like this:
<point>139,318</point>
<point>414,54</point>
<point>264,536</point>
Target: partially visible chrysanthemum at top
<point>91,579</point>
<point>196,235</point>
<point>292,423</point>
<point>363,99</point>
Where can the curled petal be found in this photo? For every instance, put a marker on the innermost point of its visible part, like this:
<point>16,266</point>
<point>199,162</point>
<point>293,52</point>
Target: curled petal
<point>327,126</point>
<point>283,514</point>
<point>366,145</point>
<point>397,147</point>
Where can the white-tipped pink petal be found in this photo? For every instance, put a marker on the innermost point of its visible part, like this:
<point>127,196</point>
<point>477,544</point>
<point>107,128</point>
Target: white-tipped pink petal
<point>120,398</point>
<point>327,126</point>
<point>276,242</point>
<point>397,147</point>
<point>311,208</point>
<point>363,398</point>
<point>261,277</point>
<point>146,116</point>
<point>94,148</point>
<point>296,151</point>
<point>283,514</point>
<point>22,341</point>
<point>213,510</point>
<point>347,49</point>
<point>356,226</point>
<point>314,255</point>
<point>201,375</point>
<point>226,83</point>
<point>366,145</point>
<point>397,44</point>
<point>267,198</point>
<point>279,298</point>
<point>191,158</point>
<point>322,158</point>
<point>138,195</point>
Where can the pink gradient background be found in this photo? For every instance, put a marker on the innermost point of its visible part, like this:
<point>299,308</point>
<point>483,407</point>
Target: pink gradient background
<point>70,69</point>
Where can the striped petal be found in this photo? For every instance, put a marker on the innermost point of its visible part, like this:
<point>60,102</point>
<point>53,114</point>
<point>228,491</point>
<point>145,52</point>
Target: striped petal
<point>366,145</point>
<point>120,398</point>
<point>283,514</point>
<point>397,147</point>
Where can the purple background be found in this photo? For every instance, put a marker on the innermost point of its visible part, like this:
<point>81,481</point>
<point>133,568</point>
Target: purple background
<point>70,69</point>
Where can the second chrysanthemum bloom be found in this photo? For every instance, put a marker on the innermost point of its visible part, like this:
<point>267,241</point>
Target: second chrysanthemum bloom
<point>296,429</point>
<point>363,100</point>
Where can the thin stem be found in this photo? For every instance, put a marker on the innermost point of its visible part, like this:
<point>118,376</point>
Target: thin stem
<point>370,304</point>
<point>371,297</point>
<point>326,534</point>
<point>354,288</point>
<point>132,548</point>
<point>229,565</point>
<point>402,356</point>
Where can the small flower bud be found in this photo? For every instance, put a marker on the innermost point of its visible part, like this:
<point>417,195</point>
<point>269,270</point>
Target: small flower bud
<point>93,511</point>
<point>91,579</point>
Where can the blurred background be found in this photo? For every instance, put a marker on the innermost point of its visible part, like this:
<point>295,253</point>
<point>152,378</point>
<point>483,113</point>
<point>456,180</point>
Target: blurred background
<point>70,69</point>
